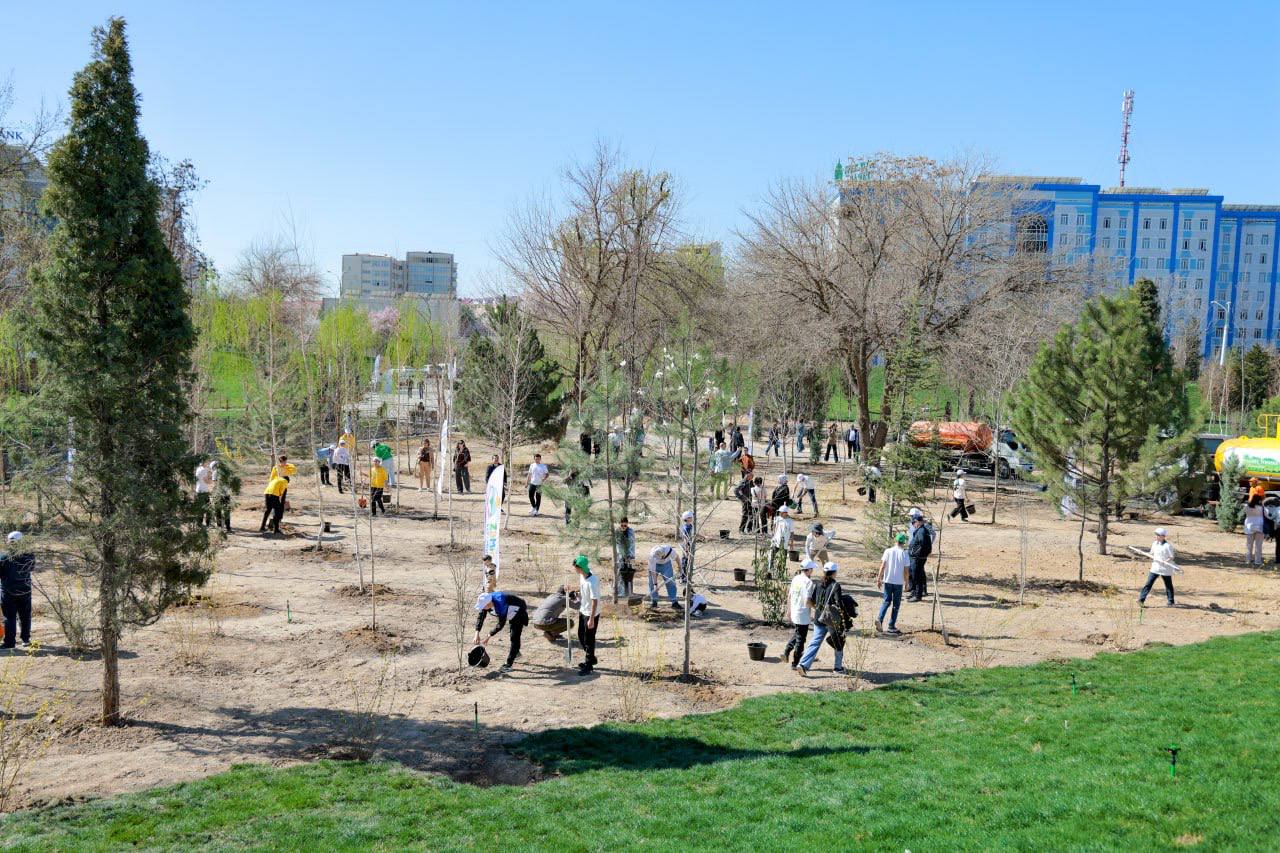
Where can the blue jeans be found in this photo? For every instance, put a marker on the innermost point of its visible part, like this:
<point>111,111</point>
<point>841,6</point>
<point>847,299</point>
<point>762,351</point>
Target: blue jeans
<point>892,595</point>
<point>815,643</point>
<point>665,570</point>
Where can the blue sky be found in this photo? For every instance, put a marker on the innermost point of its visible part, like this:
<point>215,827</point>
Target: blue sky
<point>389,127</point>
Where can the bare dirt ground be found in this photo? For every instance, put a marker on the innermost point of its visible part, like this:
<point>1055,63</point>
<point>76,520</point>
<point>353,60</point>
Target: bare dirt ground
<point>282,664</point>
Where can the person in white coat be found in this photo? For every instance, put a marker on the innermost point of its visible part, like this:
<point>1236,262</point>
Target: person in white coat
<point>1254,525</point>
<point>1162,566</point>
<point>958,494</point>
<point>781,539</point>
<point>801,595</point>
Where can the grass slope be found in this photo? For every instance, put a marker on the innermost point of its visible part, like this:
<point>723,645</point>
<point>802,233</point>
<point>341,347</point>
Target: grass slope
<point>983,759</point>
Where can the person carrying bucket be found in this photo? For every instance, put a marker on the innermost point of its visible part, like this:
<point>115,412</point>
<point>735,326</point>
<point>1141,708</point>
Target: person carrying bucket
<point>510,610</point>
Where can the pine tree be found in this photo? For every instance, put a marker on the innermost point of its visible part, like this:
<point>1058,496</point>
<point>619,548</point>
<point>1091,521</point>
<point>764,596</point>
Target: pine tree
<point>109,318</point>
<point>1096,395</point>
<point>1230,508</point>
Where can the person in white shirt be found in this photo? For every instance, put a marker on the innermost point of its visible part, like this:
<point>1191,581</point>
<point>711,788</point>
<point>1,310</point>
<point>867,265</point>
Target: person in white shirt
<point>893,572</point>
<point>1254,525</point>
<point>958,495</point>
<point>801,594</point>
<point>781,539</point>
<point>758,500</point>
<point>342,463</point>
<point>204,490</point>
<point>589,612</point>
<point>537,476</point>
<point>871,476</point>
<point>815,544</point>
<point>662,565</point>
<point>804,486</point>
<point>1162,566</point>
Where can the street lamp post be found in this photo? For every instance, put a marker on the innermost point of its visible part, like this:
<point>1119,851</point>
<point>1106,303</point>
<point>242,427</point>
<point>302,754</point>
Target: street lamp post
<point>1222,355</point>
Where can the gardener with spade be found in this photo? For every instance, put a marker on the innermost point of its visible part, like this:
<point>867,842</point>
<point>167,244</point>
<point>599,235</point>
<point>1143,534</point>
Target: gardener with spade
<point>510,610</point>
<point>1162,566</point>
<point>588,612</point>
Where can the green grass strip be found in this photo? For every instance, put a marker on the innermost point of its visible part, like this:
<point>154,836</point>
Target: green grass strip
<point>1002,758</point>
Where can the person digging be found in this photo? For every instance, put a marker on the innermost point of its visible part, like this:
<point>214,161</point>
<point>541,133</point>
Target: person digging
<point>510,610</point>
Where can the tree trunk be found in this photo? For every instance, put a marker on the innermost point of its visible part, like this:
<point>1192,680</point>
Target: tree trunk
<point>108,623</point>
<point>1080,540</point>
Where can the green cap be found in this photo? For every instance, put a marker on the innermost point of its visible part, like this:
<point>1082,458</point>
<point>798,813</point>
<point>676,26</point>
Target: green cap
<point>902,538</point>
<point>581,562</point>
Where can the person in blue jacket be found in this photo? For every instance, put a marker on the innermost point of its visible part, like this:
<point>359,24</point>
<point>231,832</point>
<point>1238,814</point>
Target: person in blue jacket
<point>510,610</point>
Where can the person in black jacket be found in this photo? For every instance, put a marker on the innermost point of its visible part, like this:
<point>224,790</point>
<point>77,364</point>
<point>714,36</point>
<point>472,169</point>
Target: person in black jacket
<point>15,592</point>
<point>510,610</point>
<point>919,549</point>
<point>781,496</point>
<point>743,494</point>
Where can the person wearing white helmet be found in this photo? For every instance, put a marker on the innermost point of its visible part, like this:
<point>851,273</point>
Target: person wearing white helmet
<point>829,618</point>
<point>801,594</point>
<point>661,565</point>
<point>1162,566</point>
<point>15,591</point>
<point>958,495</point>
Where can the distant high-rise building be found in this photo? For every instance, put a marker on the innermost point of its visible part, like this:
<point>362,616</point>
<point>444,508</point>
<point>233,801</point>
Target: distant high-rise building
<point>429,279</point>
<point>1202,254</point>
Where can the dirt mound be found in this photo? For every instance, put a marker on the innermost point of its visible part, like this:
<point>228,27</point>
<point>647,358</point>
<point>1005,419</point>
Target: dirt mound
<point>380,640</point>
<point>352,590</point>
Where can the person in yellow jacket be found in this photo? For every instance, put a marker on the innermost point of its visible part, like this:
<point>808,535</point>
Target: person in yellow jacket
<point>377,482</point>
<point>274,504</point>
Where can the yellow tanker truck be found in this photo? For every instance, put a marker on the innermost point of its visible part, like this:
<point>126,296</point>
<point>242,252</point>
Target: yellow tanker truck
<point>1257,457</point>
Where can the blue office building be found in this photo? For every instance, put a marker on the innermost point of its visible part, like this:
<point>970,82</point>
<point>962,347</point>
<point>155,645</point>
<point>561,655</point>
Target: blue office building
<point>1203,255</point>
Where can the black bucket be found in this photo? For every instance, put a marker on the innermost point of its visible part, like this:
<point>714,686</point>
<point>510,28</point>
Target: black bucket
<point>755,651</point>
<point>740,575</point>
<point>478,657</point>
<point>328,528</point>
<point>724,534</point>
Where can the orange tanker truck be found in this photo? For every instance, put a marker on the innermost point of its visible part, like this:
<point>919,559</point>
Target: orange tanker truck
<point>971,445</point>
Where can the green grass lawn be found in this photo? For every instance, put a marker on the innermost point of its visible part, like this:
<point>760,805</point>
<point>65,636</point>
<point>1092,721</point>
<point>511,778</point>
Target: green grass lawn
<point>980,759</point>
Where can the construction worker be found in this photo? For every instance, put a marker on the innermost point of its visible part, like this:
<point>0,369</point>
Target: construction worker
<point>274,509</point>
<point>510,610</point>
<point>377,483</point>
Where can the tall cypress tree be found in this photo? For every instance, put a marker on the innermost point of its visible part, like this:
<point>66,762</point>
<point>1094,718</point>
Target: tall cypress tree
<point>1096,397</point>
<point>109,320</point>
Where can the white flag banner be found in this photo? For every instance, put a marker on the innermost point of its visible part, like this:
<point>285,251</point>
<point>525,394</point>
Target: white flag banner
<point>493,515</point>
<point>751,430</point>
<point>441,455</point>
